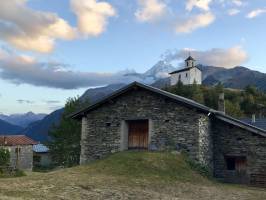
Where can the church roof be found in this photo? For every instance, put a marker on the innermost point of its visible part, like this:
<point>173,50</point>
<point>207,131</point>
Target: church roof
<point>183,70</point>
<point>185,101</point>
<point>190,58</point>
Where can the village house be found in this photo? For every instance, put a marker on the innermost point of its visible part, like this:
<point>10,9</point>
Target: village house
<point>41,156</point>
<point>258,122</point>
<point>20,148</point>
<point>139,116</point>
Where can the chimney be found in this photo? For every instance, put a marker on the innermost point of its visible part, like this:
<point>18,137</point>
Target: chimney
<point>221,103</point>
<point>253,118</point>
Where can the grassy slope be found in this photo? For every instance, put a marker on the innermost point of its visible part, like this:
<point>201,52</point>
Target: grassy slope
<point>127,175</point>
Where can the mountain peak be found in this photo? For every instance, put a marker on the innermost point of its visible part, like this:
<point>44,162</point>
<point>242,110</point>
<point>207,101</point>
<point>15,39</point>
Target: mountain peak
<point>22,120</point>
<point>160,70</point>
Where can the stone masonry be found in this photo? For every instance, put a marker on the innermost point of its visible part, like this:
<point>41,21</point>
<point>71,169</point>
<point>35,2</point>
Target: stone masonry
<point>232,150</point>
<point>23,159</point>
<point>171,125</point>
<point>233,141</point>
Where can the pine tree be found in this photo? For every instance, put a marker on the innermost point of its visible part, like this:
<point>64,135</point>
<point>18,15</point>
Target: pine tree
<point>65,138</point>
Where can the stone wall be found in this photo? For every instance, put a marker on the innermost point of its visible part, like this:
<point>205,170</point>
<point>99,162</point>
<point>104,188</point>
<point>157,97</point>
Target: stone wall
<point>230,140</point>
<point>171,125</point>
<point>205,142</point>
<point>24,160</point>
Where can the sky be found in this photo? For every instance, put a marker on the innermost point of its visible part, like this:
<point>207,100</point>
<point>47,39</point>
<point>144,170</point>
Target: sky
<point>52,50</point>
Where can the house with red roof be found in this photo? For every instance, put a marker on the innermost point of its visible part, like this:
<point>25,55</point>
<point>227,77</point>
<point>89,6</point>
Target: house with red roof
<point>21,150</point>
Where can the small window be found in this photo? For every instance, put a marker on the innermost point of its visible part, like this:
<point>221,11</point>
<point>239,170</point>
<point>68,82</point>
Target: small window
<point>108,124</point>
<point>179,76</point>
<point>186,74</point>
<point>236,163</point>
<point>231,163</point>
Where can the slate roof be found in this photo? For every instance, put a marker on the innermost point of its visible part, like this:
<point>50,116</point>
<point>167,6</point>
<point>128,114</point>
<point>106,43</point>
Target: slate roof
<point>40,148</point>
<point>182,100</point>
<point>260,122</point>
<point>183,69</point>
<point>13,140</point>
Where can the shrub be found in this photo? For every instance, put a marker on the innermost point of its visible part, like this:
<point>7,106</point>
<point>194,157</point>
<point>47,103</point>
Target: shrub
<point>196,166</point>
<point>4,157</point>
<point>19,173</point>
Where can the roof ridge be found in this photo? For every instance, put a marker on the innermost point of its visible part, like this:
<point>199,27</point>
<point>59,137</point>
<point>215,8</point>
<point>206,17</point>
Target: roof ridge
<point>218,114</point>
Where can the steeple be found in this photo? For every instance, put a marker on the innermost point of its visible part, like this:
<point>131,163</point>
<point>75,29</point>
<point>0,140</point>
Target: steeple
<point>190,62</point>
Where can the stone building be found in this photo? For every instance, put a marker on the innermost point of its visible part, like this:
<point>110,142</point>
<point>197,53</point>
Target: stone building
<point>41,156</point>
<point>188,75</point>
<point>20,148</point>
<point>143,117</point>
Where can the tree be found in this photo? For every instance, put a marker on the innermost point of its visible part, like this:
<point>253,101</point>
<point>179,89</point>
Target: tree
<point>65,138</point>
<point>233,109</point>
<point>196,93</point>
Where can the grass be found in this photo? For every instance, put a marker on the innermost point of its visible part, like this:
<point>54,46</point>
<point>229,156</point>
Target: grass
<point>126,175</point>
<point>12,174</point>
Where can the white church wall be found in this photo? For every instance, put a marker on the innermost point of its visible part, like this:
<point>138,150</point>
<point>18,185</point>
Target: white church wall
<point>184,77</point>
<point>187,77</point>
<point>195,75</point>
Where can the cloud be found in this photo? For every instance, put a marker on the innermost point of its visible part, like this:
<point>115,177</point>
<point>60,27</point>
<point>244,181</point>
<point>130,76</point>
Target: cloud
<point>195,22</point>
<point>227,58</point>
<point>233,12</point>
<point>23,101</point>
<point>28,29</point>
<point>256,13</point>
<point>150,10</point>
<point>238,2</point>
<point>92,16</point>
<point>21,69</point>
<point>201,4</point>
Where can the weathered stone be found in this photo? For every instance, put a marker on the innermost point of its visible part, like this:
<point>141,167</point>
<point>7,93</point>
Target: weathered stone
<point>170,125</point>
<point>174,126</point>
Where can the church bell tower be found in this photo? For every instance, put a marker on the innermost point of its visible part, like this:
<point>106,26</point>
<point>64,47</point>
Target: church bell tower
<point>190,62</point>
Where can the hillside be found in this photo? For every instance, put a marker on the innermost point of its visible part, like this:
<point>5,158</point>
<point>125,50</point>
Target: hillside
<point>127,175</point>
<point>7,128</point>
<point>95,94</point>
<point>237,78</point>
<point>39,130</point>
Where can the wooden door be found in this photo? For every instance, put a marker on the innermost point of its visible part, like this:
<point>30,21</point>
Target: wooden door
<point>138,132</point>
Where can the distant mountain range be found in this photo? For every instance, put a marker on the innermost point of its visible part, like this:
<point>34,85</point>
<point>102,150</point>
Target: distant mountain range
<point>38,130</point>
<point>95,94</point>
<point>22,120</point>
<point>238,77</point>
<point>9,129</point>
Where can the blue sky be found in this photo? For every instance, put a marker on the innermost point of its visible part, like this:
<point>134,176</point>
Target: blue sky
<point>51,50</point>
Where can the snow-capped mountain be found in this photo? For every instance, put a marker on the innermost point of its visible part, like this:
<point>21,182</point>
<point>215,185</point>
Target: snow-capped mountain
<point>160,70</point>
<point>22,120</point>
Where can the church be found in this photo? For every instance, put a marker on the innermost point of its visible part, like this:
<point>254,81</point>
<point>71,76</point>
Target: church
<point>142,117</point>
<point>188,75</point>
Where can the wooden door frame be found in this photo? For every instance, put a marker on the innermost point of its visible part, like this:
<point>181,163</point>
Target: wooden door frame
<point>128,134</point>
<point>141,145</point>
<point>124,132</point>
